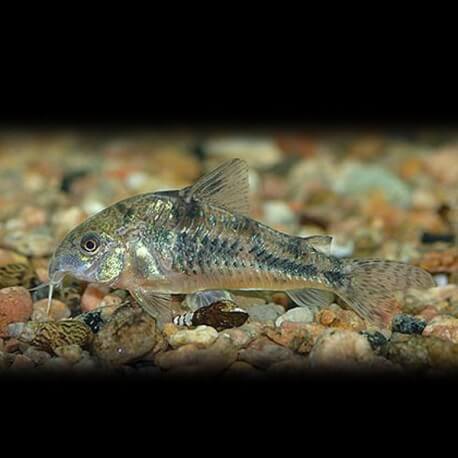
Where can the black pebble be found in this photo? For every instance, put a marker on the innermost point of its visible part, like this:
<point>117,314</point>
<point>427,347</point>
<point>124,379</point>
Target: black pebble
<point>427,237</point>
<point>407,324</point>
<point>376,339</point>
<point>69,178</point>
<point>93,320</point>
<point>199,151</point>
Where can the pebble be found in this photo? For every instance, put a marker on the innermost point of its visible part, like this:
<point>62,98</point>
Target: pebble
<point>342,250</point>
<point>439,165</point>
<point>262,353</point>
<point>257,152</point>
<point>277,212</point>
<point>72,353</point>
<point>290,335</point>
<point>428,313</point>
<point>443,326</point>
<point>15,305</point>
<point>376,339</point>
<point>243,335</point>
<point>39,357</point>
<point>407,324</point>
<point>11,345</point>
<point>85,364</point>
<point>415,352</point>
<point>11,257</point>
<point>111,301</point>
<point>414,301</point>
<point>6,359</point>
<point>341,349</point>
<point>130,334</point>
<point>93,319</point>
<point>33,216</point>
<point>444,261</point>
<point>37,242</point>
<point>93,296</point>
<point>67,219</point>
<point>441,279</point>
<point>202,337</point>
<point>337,317</point>
<point>357,179</point>
<point>22,362</point>
<point>298,365</point>
<point>57,365</point>
<point>58,310</point>
<point>295,315</point>
<point>189,359</point>
<point>243,369</point>
<point>265,312</point>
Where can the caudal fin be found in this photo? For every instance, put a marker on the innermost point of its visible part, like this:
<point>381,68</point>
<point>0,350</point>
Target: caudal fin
<point>372,284</point>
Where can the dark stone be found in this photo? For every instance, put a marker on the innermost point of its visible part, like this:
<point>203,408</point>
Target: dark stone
<point>199,151</point>
<point>376,339</point>
<point>428,237</point>
<point>408,324</point>
<point>69,178</point>
<point>93,320</point>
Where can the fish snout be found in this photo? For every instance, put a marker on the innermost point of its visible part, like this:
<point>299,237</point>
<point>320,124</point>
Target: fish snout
<point>56,270</point>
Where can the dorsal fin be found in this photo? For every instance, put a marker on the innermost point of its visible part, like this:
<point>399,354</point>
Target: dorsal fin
<point>320,242</point>
<point>226,186</point>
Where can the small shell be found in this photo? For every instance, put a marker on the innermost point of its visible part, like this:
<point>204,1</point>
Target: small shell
<point>220,315</point>
<point>50,335</point>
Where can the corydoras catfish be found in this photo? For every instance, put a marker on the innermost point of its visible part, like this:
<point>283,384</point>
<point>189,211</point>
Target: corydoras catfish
<point>200,239</point>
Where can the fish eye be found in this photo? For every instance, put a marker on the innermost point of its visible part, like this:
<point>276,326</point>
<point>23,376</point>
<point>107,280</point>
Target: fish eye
<point>90,243</point>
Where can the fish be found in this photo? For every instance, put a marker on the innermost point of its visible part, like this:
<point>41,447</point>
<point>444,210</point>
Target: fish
<point>200,240</point>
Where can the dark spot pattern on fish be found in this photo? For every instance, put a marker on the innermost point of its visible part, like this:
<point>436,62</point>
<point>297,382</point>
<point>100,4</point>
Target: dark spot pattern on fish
<point>310,270</point>
<point>294,248</point>
<point>192,209</point>
<point>126,211</point>
<point>335,277</point>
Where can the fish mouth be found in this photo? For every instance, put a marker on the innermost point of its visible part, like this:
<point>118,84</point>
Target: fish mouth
<point>57,278</point>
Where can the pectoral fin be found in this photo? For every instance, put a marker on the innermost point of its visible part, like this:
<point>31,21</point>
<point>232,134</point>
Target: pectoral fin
<point>159,306</point>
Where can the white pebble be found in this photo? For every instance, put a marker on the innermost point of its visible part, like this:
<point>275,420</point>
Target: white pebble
<point>441,279</point>
<point>202,336</point>
<point>296,315</point>
<point>277,212</point>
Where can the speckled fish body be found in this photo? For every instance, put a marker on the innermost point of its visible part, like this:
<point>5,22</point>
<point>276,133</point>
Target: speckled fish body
<point>201,238</point>
<point>191,246</point>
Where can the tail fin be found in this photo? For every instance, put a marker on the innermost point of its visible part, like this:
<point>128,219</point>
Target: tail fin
<point>372,284</point>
